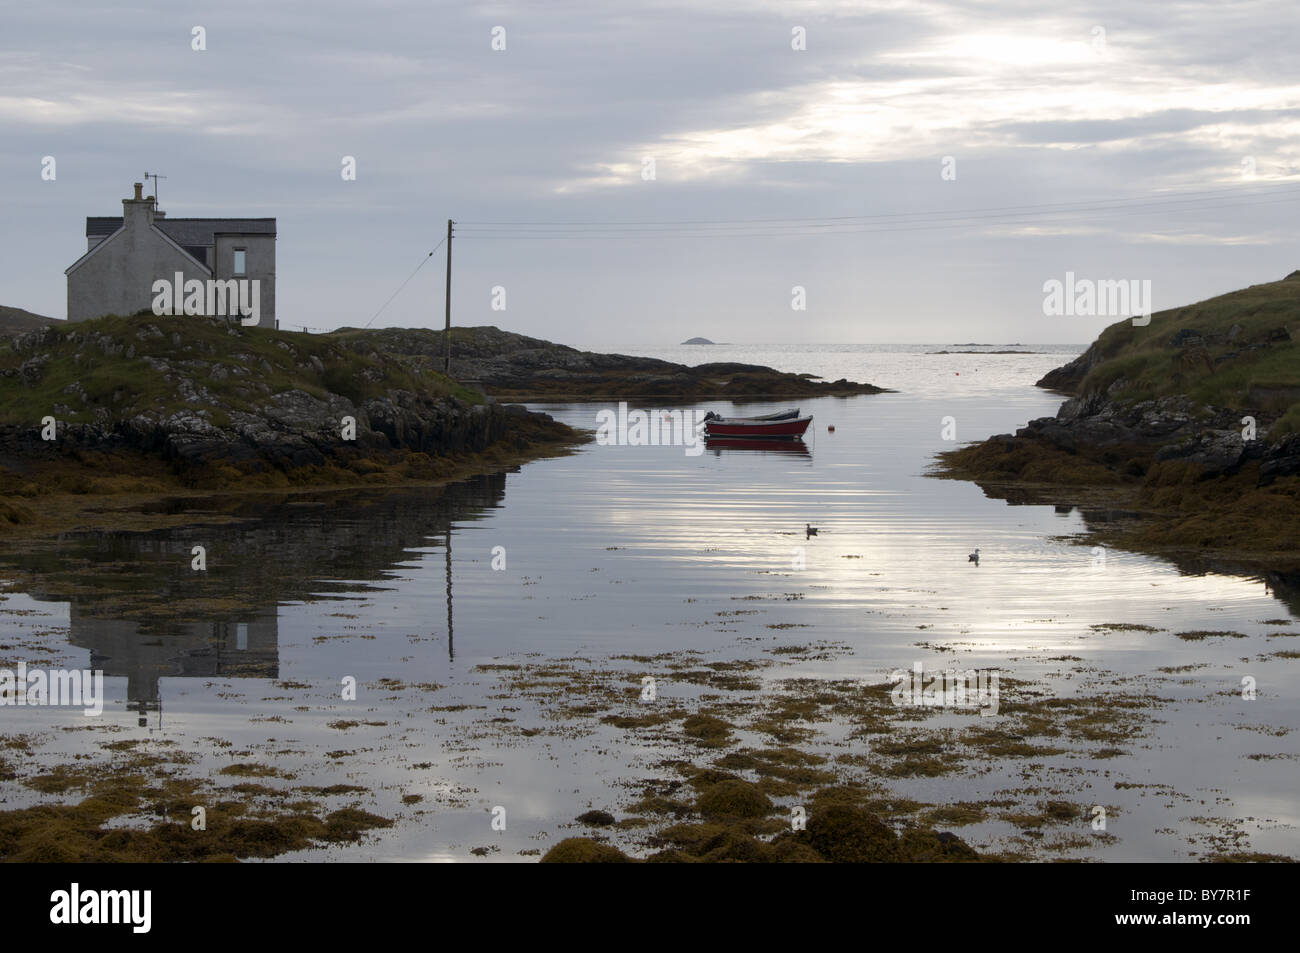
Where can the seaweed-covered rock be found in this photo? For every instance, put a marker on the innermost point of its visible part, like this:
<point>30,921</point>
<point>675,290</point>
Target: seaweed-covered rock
<point>672,857</point>
<point>850,835</point>
<point>1282,459</point>
<point>791,848</point>
<point>1216,452</point>
<point>734,846</point>
<point>707,730</point>
<point>584,850</point>
<point>733,798</point>
<point>935,847</point>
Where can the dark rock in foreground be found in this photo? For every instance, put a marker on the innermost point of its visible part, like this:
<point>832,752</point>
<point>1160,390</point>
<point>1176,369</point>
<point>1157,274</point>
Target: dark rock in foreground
<point>842,834</point>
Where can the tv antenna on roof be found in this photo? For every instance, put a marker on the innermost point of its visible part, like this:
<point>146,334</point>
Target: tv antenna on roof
<point>155,176</point>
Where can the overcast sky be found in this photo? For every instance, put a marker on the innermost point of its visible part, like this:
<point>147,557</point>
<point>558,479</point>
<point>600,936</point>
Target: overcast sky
<point>1037,104</point>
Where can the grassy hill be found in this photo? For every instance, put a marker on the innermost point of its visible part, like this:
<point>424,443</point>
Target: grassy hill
<point>1154,427</point>
<point>16,320</point>
<point>1239,351</point>
<point>115,368</point>
<point>151,405</point>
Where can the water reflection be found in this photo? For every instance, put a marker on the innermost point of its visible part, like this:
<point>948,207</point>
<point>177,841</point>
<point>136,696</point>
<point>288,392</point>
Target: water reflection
<point>451,643</point>
<point>628,551</point>
<point>1282,585</point>
<point>143,613</point>
<point>775,445</point>
<point>227,649</point>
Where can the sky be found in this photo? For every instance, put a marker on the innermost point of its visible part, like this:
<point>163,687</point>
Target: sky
<point>919,169</point>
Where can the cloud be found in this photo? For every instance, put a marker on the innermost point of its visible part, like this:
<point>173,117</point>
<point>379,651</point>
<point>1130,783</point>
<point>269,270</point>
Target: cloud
<point>1035,104</point>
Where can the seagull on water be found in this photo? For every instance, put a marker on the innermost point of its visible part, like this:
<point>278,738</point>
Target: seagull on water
<point>974,557</point>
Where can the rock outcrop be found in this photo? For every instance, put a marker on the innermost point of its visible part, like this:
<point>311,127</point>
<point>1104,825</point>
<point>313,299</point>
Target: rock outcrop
<point>1170,428</point>
<point>202,392</point>
<point>1191,423</point>
<point>1214,384</point>
<point>516,366</point>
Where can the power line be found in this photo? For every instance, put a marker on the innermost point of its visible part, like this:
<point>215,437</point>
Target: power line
<point>917,217</point>
<point>1004,215</point>
<point>424,261</point>
<point>1178,196</point>
<point>1190,201</point>
<point>813,228</point>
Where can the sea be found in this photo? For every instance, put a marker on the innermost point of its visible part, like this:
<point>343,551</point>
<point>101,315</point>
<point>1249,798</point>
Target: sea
<point>424,598</point>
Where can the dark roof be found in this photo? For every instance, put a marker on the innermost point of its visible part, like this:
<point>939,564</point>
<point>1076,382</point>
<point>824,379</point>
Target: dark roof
<point>188,231</point>
<point>103,227</point>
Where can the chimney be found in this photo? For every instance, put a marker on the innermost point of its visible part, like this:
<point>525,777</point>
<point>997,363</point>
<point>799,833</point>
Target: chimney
<point>138,212</point>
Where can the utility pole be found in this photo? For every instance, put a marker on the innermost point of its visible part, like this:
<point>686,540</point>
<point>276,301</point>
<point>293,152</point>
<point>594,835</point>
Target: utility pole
<point>446,334</point>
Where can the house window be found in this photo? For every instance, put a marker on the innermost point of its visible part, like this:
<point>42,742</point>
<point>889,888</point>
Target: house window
<point>240,263</point>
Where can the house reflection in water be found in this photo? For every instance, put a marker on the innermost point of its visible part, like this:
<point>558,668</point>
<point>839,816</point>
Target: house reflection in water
<point>247,648</point>
<point>144,614</point>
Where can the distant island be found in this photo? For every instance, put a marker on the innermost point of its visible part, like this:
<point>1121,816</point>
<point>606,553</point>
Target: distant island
<point>699,341</point>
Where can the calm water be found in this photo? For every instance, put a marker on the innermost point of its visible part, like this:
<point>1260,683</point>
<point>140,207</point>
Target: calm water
<point>634,550</point>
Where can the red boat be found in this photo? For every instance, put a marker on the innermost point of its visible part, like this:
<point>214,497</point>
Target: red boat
<point>716,426</point>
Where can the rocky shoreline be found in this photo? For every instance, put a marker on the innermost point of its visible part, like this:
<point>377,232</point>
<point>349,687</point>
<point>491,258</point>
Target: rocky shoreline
<point>294,431</point>
<point>517,367</point>
<point>145,405</point>
<point>1188,430</point>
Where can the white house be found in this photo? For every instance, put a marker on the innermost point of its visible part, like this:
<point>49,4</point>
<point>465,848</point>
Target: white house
<point>126,257</point>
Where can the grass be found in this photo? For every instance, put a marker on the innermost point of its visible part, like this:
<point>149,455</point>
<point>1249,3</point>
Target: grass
<point>108,372</point>
<point>1241,357</point>
<point>1142,363</point>
<point>105,366</point>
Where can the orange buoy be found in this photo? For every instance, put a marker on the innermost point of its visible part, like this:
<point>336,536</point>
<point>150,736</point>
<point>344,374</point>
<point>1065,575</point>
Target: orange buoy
<point>830,429</point>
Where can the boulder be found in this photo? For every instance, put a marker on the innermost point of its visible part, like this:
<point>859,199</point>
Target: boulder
<point>844,834</point>
<point>1281,459</point>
